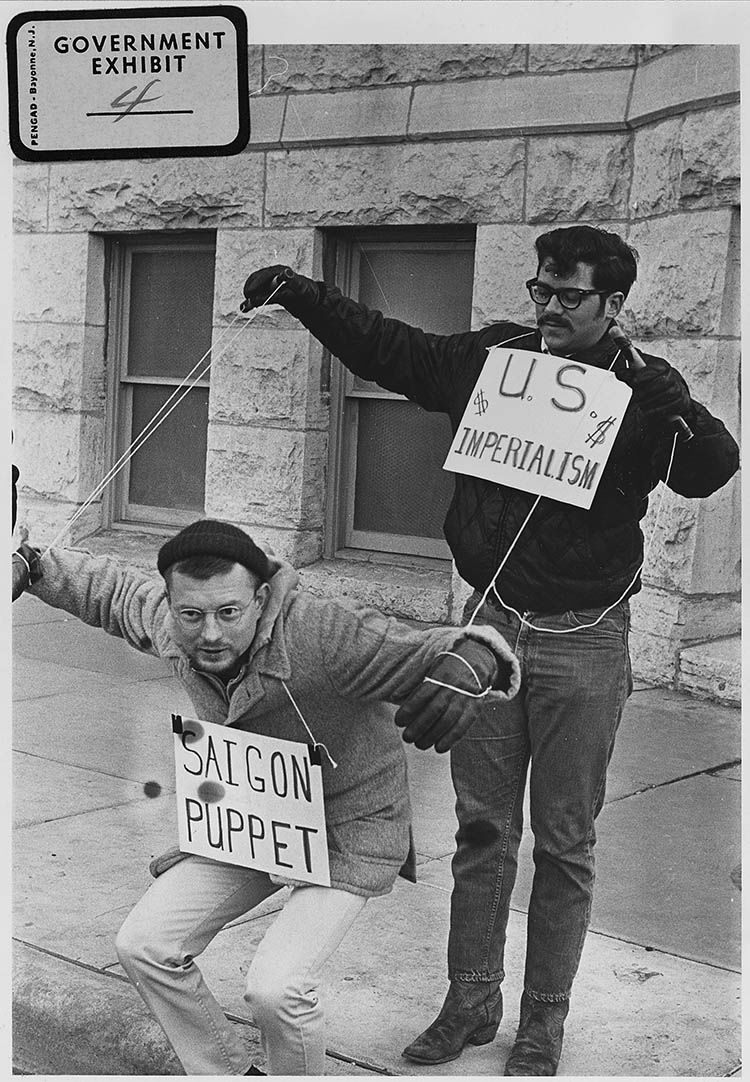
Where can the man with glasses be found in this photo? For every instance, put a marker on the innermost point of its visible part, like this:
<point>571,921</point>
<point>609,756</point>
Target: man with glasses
<point>255,654</point>
<point>572,570</point>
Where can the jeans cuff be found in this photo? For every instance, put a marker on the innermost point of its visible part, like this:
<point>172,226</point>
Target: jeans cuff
<point>547,997</point>
<point>471,976</point>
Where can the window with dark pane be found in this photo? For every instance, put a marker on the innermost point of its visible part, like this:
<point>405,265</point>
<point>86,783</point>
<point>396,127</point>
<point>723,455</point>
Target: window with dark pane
<point>164,287</point>
<point>169,470</point>
<point>171,305</point>
<point>394,491</point>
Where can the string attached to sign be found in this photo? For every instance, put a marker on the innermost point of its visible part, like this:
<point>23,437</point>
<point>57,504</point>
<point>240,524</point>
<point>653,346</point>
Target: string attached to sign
<point>185,386</point>
<point>580,627</point>
<point>166,408</point>
<point>250,799</point>
<point>316,743</point>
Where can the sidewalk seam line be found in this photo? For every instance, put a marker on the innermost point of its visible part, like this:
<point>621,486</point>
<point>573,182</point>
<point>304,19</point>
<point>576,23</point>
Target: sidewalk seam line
<point>71,961</point>
<point>672,781</point>
<point>657,950</point>
<point>90,770</point>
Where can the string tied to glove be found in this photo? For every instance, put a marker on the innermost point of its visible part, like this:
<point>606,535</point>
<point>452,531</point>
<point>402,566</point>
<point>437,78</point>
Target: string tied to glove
<point>452,687</point>
<point>290,290</point>
<point>444,706</point>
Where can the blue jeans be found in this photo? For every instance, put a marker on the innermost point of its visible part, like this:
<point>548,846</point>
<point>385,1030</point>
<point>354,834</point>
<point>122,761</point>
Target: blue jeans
<point>563,720</point>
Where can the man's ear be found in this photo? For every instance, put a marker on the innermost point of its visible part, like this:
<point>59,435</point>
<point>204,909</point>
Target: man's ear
<point>262,595</point>
<point>613,305</point>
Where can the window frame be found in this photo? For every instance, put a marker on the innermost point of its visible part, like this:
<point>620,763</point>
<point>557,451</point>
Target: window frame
<point>118,511</point>
<point>342,539</point>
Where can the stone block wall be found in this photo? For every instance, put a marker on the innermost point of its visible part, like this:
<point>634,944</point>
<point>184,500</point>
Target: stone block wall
<point>513,139</point>
<point>59,405</point>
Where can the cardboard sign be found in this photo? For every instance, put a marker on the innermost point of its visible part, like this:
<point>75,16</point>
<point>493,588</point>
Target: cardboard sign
<point>250,800</point>
<point>138,82</point>
<point>540,423</point>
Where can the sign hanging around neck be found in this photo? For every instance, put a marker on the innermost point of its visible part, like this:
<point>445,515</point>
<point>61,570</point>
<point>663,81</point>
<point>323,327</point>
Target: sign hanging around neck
<point>251,800</point>
<point>540,423</point>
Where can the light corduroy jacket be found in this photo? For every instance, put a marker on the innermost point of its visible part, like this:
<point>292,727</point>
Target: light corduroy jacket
<point>342,663</point>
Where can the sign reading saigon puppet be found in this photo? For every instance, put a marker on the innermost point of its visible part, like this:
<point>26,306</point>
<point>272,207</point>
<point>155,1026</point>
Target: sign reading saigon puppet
<point>541,424</point>
<point>251,800</point>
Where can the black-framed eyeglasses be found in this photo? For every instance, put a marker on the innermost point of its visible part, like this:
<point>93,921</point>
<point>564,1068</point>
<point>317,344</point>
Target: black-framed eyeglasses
<point>568,297</point>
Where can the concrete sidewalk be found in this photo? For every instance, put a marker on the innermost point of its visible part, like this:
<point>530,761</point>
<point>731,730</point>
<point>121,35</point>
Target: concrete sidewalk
<point>659,987</point>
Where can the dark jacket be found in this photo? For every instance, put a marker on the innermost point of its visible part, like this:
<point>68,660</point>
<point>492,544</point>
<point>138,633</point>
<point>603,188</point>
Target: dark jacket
<point>567,557</point>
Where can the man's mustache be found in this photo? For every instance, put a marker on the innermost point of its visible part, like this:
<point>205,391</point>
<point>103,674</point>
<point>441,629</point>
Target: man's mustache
<point>551,321</point>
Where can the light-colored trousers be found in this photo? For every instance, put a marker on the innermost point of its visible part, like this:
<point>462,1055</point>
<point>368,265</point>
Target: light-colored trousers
<point>179,916</point>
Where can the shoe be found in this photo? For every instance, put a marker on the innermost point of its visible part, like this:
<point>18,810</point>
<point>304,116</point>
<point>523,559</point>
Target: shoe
<point>538,1043</point>
<point>470,1015</point>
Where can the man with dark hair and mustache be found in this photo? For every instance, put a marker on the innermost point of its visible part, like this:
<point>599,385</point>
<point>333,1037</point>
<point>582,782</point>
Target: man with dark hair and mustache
<point>573,570</point>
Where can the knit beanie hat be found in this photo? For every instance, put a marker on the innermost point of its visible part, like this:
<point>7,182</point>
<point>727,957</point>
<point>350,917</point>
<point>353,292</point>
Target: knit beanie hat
<point>211,537</point>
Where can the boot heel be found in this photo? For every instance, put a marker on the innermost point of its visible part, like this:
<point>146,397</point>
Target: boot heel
<point>484,1034</point>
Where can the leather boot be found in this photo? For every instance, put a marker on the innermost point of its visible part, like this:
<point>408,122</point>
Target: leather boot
<point>539,1039</point>
<point>470,1015</point>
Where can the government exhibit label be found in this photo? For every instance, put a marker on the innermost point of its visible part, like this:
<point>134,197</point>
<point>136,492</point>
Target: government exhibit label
<point>128,82</point>
<point>251,800</point>
<point>541,424</point>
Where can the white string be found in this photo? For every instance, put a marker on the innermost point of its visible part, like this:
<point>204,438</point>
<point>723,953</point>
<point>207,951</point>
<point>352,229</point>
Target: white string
<point>469,666</point>
<point>142,436</point>
<point>461,691</point>
<point>139,440</point>
<point>274,75</point>
<point>503,563</point>
<point>452,687</point>
<point>23,559</point>
<point>162,413</point>
<point>581,627</point>
<point>316,743</point>
<point>363,253</point>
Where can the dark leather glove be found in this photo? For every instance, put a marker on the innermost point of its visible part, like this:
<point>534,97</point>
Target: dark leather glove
<point>660,395</point>
<point>259,288</point>
<point>437,716</point>
<point>24,569</point>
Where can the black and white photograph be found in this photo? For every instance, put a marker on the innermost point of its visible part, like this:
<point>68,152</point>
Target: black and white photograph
<point>376,537</point>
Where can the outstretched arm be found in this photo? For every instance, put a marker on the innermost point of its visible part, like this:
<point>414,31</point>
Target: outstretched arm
<point>437,676</point>
<point>24,569</point>
<point>401,358</point>
<point>443,708</point>
<point>100,591</point>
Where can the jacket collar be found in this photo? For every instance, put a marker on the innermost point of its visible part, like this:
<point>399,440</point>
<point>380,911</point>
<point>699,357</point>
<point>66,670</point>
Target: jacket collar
<point>600,355</point>
<point>270,656</point>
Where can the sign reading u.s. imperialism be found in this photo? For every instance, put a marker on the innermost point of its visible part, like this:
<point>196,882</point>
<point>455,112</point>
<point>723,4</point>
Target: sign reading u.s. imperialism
<point>251,800</point>
<point>109,83</point>
<point>540,423</point>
